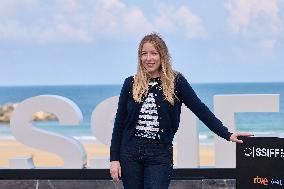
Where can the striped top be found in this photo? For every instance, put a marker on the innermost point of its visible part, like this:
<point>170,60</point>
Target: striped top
<point>148,124</point>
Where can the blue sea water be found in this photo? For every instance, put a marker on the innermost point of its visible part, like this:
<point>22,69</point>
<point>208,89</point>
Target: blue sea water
<point>87,97</point>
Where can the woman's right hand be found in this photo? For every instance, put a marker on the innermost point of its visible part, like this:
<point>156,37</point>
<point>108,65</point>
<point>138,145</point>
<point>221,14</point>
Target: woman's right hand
<point>115,170</point>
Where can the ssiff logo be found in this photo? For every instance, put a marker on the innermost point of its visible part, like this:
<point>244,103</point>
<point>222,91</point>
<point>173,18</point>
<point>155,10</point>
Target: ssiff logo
<point>264,152</point>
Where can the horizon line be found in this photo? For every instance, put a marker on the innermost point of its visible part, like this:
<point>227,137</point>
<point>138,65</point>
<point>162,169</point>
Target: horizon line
<point>69,84</point>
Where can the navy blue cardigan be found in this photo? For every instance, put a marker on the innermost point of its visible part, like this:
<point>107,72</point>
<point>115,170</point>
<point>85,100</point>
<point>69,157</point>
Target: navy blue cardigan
<point>169,115</point>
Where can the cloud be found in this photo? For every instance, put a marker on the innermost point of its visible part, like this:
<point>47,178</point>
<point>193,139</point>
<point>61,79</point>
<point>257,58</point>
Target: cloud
<point>7,6</point>
<point>254,16</point>
<point>267,44</point>
<point>118,20</point>
<point>259,20</point>
<point>12,30</point>
<point>84,21</point>
<point>11,26</point>
<point>180,18</point>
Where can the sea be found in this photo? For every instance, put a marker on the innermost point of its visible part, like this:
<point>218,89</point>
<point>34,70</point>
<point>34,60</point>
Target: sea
<point>87,97</point>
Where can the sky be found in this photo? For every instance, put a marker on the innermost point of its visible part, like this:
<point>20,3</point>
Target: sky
<point>74,42</point>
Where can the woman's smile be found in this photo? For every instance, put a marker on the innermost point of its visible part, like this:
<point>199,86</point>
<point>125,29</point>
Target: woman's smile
<point>150,64</point>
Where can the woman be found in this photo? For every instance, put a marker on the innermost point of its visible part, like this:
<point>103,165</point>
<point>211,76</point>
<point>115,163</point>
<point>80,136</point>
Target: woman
<point>148,117</point>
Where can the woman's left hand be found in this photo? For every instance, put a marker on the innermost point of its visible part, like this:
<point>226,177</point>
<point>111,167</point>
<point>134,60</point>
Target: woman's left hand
<point>234,136</point>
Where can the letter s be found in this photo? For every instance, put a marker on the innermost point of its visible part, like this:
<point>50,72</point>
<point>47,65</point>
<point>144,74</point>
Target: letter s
<point>67,112</point>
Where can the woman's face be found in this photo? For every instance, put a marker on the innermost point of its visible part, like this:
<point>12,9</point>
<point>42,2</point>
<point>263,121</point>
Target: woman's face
<point>150,59</point>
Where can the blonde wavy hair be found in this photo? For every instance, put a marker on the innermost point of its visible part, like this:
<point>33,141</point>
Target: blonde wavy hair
<point>167,74</point>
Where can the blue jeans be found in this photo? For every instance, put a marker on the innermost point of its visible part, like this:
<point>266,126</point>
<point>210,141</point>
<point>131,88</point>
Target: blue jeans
<point>146,165</point>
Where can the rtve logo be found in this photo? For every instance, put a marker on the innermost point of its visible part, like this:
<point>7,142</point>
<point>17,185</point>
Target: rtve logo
<point>259,180</point>
<point>265,181</point>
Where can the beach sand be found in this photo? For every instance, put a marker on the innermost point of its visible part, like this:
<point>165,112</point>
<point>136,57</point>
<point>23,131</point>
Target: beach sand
<point>12,148</point>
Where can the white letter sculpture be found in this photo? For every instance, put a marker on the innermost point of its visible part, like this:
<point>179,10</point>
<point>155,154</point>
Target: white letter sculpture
<point>187,140</point>
<point>102,124</point>
<point>225,107</point>
<point>67,112</point>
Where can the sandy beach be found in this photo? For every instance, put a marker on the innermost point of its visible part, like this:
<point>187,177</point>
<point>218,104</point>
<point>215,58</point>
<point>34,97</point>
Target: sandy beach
<point>12,148</point>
